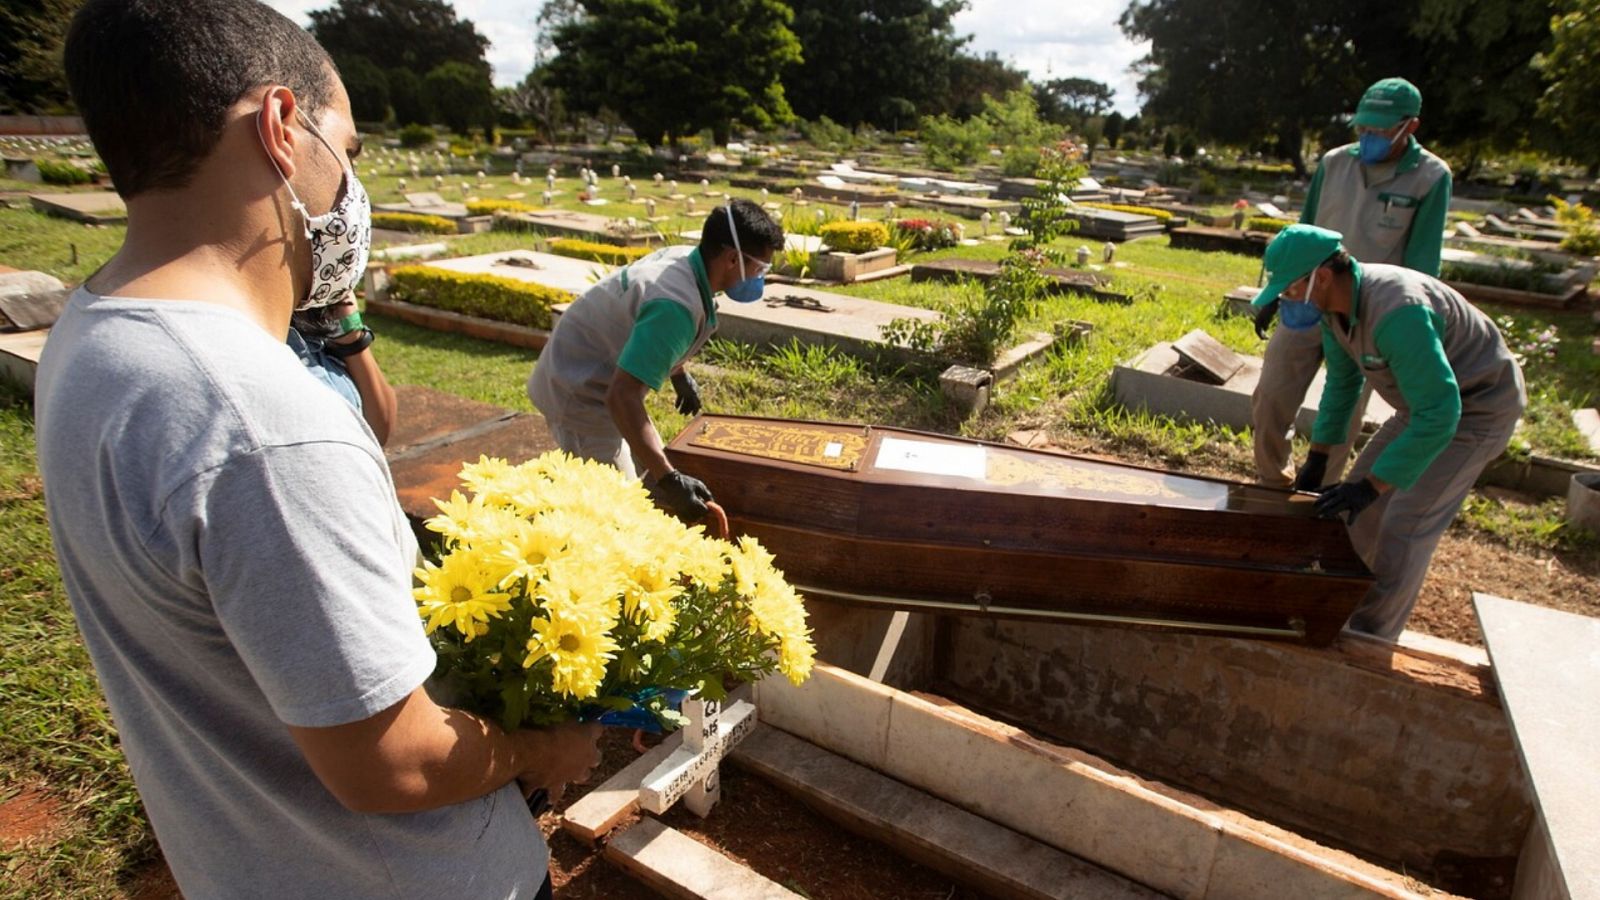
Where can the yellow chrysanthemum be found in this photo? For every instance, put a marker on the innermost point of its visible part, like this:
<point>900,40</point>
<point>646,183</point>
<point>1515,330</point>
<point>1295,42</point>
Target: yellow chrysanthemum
<point>578,650</point>
<point>491,479</point>
<point>461,593</point>
<point>527,544</point>
<point>795,656</point>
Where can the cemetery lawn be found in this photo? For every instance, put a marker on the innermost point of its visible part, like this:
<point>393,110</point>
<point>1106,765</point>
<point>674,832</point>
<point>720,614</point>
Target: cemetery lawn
<point>32,240</point>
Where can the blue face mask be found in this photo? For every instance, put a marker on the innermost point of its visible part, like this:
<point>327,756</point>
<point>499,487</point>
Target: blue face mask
<point>1300,315</point>
<point>1375,148</point>
<point>748,290</point>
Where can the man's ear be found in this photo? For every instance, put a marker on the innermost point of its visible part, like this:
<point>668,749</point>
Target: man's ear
<point>278,109</point>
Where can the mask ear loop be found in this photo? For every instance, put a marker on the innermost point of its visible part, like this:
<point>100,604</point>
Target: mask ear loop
<point>733,230</point>
<point>294,198</point>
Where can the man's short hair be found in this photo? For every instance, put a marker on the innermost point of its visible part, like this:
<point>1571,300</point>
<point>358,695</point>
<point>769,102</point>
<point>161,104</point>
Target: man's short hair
<point>154,79</point>
<point>759,233</point>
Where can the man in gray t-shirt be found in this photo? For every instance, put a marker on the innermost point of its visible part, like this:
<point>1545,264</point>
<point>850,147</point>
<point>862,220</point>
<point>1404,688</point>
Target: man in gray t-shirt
<point>226,527</point>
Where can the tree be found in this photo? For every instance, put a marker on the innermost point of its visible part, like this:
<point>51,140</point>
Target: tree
<point>688,65</point>
<point>536,101</point>
<point>32,33</point>
<point>1572,70</point>
<point>873,61</point>
<point>1169,145</point>
<point>368,88</point>
<point>419,35</point>
<point>409,98</point>
<point>1113,129</point>
<point>1235,70</point>
<point>974,78</point>
<point>1069,101</point>
<point>461,95</point>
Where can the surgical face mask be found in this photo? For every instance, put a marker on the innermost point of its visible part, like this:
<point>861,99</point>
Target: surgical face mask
<point>748,290</point>
<point>1300,315</point>
<point>1376,147</point>
<point>341,238</point>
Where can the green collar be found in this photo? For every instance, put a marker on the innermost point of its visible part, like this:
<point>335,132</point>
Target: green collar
<point>1355,293</point>
<point>1408,160</point>
<point>703,281</point>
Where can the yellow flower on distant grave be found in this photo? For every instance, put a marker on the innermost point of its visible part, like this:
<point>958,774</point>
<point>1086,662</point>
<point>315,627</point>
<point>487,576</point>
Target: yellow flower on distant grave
<point>578,648</point>
<point>461,592</point>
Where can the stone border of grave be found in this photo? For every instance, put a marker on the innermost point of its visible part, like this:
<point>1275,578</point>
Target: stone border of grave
<point>456,323</point>
<point>1483,293</point>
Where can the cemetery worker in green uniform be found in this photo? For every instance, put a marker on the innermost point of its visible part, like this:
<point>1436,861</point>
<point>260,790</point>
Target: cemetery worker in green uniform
<point>226,526</point>
<point>1456,389</point>
<point>635,329</point>
<point>1388,196</point>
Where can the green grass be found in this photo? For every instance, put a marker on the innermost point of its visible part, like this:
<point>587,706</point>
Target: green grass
<point>1527,526</point>
<point>54,727</point>
<point>31,240</point>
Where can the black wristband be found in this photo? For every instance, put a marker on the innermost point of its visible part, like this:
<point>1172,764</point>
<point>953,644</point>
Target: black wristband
<point>345,351</point>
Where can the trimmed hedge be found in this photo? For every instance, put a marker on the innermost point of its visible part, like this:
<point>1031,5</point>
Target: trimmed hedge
<point>57,172</point>
<point>413,222</point>
<point>1162,214</point>
<point>609,254</point>
<point>490,207</point>
<point>486,296</point>
<point>854,237</point>
<point>1266,224</point>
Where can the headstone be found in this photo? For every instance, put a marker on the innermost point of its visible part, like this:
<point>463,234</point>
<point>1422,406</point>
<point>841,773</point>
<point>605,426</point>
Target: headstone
<point>30,300</point>
<point>616,170</point>
<point>1466,230</point>
<point>632,191</point>
<point>1211,360</point>
<point>1272,210</point>
<point>650,207</point>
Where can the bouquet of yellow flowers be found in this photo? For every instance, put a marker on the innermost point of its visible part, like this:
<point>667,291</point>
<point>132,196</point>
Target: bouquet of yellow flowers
<point>561,592</point>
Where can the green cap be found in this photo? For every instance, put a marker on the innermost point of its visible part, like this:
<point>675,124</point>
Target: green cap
<point>1292,255</point>
<point>1387,103</point>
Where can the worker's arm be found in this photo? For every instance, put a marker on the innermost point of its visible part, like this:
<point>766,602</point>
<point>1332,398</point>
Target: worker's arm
<point>417,755</point>
<point>377,396</point>
<point>1411,340</point>
<point>625,402</point>
<point>1308,215</point>
<point>1340,393</point>
<point>1425,245</point>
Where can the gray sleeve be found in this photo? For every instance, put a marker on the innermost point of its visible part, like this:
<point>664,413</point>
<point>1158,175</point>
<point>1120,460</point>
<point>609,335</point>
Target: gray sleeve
<point>311,582</point>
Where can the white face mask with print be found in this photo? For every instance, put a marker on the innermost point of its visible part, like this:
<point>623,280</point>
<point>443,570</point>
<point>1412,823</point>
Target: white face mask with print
<point>341,238</point>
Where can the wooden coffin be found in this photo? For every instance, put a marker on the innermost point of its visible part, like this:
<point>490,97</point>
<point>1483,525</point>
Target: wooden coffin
<point>922,521</point>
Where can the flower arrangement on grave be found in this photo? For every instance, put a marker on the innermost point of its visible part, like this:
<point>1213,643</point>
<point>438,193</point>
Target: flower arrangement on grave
<point>929,234</point>
<point>561,592</point>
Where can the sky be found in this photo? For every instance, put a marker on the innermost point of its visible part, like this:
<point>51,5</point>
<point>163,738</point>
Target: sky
<point>1045,38</point>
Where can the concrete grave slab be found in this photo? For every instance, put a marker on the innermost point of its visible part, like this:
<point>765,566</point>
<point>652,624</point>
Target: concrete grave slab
<point>587,226</point>
<point>19,355</point>
<point>1148,382</point>
<point>1113,225</point>
<point>93,207</point>
<point>1547,666</point>
<point>1207,358</point>
<point>30,300</point>
<point>563,272</point>
<point>940,835</point>
<point>966,207</point>
<point>851,324</point>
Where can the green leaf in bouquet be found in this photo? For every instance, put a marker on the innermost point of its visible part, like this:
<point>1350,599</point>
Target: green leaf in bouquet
<point>671,719</point>
<point>621,704</point>
<point>712,690</point>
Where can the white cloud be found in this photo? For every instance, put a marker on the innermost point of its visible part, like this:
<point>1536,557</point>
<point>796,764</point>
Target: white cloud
<point>1054,39</point>
<point>1045,38</point>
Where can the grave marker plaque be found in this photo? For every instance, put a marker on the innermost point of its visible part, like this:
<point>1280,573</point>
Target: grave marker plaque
<point>691,773</point>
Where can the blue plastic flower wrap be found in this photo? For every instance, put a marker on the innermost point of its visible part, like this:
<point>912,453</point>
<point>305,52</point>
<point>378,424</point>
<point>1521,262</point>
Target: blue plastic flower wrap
<point>638,714</point>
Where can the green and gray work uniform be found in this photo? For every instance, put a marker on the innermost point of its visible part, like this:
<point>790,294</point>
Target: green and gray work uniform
<point>1388,213</point>
<point>1458,394</point>
<point>645,319</point>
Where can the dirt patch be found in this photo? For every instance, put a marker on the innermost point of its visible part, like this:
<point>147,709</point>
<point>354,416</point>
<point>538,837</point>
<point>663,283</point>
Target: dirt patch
<point>152,881</point>
<point>1467,562</point>
<point>32,816</point>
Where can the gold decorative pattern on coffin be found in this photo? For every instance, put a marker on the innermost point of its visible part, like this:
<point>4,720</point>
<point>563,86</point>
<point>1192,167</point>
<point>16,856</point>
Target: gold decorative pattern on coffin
<point>788,443</point>
<point>1012,469</point>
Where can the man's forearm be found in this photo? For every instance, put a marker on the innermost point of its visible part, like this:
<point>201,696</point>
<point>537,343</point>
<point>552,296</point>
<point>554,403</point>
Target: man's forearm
<point>377,396</point>
<point>625,402</point>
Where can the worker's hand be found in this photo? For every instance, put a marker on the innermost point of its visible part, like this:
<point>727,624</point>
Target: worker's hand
<point>1264,318</point>
<point>1346,497</point>
<point>1312,472</point>
<point>682,495</point>
<point>688,391</point>
<point>558,756</point>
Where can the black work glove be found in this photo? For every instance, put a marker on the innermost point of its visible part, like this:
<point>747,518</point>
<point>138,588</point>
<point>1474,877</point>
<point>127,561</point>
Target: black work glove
<point>682,495</point>
<point>1312,472</point>
<point>688,391</point>
<point>1346,497</point>
<point>1264,318</point>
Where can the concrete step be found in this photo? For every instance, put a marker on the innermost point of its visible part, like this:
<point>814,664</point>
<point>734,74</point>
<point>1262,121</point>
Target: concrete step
<point>944,837</point>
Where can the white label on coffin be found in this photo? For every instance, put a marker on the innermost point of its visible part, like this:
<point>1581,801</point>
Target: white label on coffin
<point>932,458</point>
